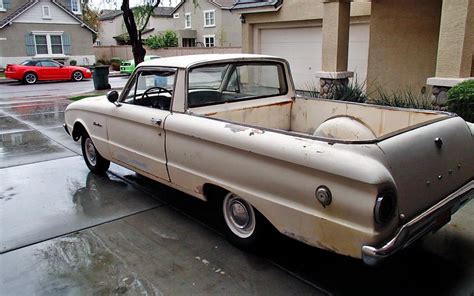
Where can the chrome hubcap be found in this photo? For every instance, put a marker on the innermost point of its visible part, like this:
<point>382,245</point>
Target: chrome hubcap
<point>30,78</point>
<point>90,152</point>
<point>77,76</point>
<point>239,215</point>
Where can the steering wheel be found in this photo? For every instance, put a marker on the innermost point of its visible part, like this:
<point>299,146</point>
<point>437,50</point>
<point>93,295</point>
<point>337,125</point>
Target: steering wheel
<point>158,90</point>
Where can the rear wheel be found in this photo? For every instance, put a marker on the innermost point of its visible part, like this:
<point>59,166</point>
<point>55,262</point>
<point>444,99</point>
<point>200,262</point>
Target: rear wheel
<point>242,224</point>
<point>30,78</point>
<point>77,76</point>
<point>94,161</point>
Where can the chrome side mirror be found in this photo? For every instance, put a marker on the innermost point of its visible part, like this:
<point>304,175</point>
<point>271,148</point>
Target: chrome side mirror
<point>113,96</point>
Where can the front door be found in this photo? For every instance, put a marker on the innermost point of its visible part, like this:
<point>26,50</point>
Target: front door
<point>136,126</point>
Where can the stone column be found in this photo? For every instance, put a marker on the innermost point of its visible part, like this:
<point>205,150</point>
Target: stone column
<point>335,46</point>
<point>455,47</point>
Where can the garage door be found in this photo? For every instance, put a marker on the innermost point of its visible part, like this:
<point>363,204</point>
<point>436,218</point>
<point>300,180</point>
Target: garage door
<point>302,47</point>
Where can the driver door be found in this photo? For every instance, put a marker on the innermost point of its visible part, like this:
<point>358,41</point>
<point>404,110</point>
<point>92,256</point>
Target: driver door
<point>136,127</point>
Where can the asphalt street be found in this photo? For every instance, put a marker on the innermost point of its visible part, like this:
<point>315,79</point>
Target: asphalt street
<point>14,89</point>
<point>65,231</point>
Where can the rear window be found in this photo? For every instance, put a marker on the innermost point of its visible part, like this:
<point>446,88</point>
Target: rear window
<point>29,63</point>
<point>226,83</point>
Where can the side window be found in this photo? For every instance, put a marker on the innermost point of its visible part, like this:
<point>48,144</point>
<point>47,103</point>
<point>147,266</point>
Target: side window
<point>151,88</point>
<point>48,64</point>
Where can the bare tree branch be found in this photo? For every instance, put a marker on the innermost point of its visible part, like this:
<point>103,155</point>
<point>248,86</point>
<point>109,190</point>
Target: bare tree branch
<point>134,34</point>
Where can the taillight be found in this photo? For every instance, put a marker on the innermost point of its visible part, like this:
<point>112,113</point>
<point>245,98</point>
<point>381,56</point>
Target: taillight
<point>385,205</point>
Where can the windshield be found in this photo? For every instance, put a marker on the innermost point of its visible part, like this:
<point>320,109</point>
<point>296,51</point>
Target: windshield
<point>151,88</point>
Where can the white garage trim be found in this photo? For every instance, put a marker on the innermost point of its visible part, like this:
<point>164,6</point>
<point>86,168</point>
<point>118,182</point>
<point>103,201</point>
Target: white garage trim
<point>301,45</point>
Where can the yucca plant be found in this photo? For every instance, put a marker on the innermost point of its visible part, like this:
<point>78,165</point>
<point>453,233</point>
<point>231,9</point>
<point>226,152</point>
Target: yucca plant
<point>351,92</point>
<point>405,98</point>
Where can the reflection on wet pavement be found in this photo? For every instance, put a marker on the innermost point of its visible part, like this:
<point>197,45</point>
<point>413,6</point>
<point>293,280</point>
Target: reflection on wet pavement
<point>26,108</point>
<point>159,252</point>
<point>43,201</point>
<point>11,125</point>
<point>44,120</point>
<point>28,147</point>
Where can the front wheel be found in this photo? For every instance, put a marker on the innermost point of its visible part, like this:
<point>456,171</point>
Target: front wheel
<point>77,76</point>
<point>243,225</point>
<point>94,161</point>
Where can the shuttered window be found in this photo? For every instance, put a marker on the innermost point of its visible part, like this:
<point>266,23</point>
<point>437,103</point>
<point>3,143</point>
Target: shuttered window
<point>47,44</point>
<point>30,44</point>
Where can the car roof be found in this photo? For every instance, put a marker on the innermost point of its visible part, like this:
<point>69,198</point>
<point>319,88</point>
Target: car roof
<point>190,60</point>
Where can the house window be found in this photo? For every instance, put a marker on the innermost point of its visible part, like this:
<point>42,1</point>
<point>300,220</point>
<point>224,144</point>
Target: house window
<point>209,18</point>
<point>41,42</point>
<point>209,40</point>
<point>48,44</point>
<point>2,7</point>
<point>56,44</point>
<point>46,12</point>
<point>187,20</point>
<point>176,15</point>
<point>75,6</point>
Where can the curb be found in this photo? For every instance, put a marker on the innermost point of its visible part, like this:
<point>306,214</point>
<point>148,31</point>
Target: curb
<point>6,80</point>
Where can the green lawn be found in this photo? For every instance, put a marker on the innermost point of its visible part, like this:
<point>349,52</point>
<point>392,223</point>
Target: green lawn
<point>77,98</point>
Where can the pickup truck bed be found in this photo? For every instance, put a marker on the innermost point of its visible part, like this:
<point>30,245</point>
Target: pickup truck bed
<point>303,116</point>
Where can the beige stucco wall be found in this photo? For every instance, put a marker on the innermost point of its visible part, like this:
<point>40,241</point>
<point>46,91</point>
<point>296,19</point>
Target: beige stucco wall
<point>81,38</point>
<point>292,13</point>
<point>456,40</point>
<point>110,28</point>
<point>403,43</point>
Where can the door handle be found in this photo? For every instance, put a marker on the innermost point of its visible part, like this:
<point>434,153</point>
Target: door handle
<point>156,121</point>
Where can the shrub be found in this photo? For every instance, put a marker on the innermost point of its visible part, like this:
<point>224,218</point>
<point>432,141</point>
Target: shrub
<point>73,63</point>
<point>461,100</point>
<point>153,42</point>
<point>168,39</point>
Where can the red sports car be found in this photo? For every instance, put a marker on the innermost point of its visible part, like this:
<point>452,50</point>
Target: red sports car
<point>30,71</point>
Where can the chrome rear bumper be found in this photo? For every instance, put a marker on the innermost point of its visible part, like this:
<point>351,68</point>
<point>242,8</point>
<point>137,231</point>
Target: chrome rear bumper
<point>421,225</point>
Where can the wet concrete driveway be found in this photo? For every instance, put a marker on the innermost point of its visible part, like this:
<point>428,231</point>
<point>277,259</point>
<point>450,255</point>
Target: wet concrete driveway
<point>65,231</point>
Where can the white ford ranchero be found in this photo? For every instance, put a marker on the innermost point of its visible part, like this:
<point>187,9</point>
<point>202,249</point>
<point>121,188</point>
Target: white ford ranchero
<point>357,179</point>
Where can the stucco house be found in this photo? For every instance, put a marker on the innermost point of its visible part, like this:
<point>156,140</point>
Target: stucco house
<point>394,44</point>
<point>44,29</point>
<point>210,23</point>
